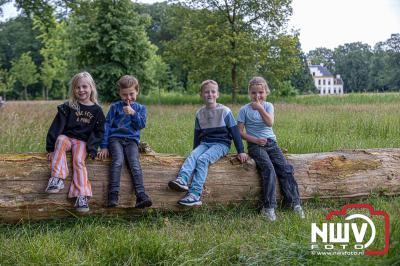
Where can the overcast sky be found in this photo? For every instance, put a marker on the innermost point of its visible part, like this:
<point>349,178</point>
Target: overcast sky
<point>330,23</point>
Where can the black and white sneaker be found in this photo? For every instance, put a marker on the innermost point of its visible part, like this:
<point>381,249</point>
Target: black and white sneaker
<point>55,185</point>
<point>81,204</point>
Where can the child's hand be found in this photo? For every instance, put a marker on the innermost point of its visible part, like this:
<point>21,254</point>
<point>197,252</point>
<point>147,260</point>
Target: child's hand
<point>261,141</point>
<point>243,157</point>
<point>128,109</point>
<point>50,156</point>
<point>256,105</point>
<point>103,153</point>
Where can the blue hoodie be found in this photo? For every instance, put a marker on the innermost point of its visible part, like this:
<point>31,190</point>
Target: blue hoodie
<point>119,124</point>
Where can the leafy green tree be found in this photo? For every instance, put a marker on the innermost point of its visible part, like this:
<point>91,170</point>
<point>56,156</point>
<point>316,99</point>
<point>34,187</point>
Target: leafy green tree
<point>323,56</point>
<point>302,80</point>
<point>7,81</point>
<point>18,37</point>
<point>378,76</point>
<point>55,51</point>
<point>221,36</point>
<point>279,62</point>
<point>393,61</point>
<point>111,41</point>
<point>25,71</point>
<point>352,62</point>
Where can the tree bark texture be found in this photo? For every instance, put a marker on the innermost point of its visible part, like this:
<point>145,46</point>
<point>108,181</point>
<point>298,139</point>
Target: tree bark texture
<point>339,174</point>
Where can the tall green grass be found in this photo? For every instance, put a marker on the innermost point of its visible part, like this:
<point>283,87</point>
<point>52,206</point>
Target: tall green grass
<point>232,235</point>
<point>314,99</point>
<point>229,235</point>
<point>300,128</point>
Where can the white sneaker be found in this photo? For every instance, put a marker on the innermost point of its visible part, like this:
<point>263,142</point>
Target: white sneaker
<point>299,210</point>
<point>269,214</point>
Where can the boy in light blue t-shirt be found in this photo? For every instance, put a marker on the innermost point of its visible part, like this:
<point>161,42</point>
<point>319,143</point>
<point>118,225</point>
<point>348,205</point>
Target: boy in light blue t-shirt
<point>258,117</point>
<point>215,127</point>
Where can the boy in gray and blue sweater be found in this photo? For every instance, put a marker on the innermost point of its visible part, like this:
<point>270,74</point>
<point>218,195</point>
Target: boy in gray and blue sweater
<point>215,127</point>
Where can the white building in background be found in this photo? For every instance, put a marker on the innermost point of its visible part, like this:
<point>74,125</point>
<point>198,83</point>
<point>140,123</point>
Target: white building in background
<point>326,83</point>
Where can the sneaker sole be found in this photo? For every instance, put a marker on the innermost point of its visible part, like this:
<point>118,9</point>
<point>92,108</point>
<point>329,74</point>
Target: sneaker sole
<point>52,191</point>
<point>144,204</point>
<point>190,204</point>
<point>82,210</point>
<point>174,186</point>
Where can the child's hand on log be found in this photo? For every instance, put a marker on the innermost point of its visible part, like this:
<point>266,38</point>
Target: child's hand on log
<point>50,156</point>
<point>103,153</point>
<point>242,157</point>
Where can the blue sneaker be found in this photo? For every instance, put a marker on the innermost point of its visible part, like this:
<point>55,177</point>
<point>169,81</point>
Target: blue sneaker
<point>190,200</point>
<point>178,185</point>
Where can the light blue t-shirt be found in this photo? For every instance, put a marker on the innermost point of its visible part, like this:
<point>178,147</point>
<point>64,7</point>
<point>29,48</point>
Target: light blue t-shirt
<point>254,123</point>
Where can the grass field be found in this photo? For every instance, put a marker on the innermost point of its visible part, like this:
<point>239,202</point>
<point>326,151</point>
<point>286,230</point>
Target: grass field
<point>228,235</point>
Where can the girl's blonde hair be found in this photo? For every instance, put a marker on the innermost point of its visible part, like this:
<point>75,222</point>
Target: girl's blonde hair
<point>206,82</point>
<point>259,81</point>
<point>73,84</point>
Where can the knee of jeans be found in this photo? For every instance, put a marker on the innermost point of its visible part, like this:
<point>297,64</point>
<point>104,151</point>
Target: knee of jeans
<point>134,164</point>
<point>288,171</point>
<point>266,169</point>
<point>117,162</point>
<point>203,160</point>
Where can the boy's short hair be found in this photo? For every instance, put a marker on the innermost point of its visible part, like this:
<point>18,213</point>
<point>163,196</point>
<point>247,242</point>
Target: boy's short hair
<point>128,81</point>
<point>206,82</point>
<point>259,81</point>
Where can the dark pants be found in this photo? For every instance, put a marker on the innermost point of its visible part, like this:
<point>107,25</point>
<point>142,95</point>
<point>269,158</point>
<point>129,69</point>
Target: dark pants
<point>270,163</point>
<point>120,149</point>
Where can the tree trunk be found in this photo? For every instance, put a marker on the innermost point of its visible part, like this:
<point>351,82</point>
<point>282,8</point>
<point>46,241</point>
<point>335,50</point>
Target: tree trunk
<point>25,93</point>
<point>340,174</point>
<point>234,82</point>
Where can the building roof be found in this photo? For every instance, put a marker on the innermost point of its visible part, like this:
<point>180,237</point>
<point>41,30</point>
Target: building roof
<point>324,71</point>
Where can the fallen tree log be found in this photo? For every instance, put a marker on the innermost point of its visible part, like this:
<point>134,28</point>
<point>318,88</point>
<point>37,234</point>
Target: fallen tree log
<point>339,174</point>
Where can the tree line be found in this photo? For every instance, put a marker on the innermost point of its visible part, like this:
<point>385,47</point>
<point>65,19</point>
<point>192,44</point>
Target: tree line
<point>362,68</point>
<point>170,46</point>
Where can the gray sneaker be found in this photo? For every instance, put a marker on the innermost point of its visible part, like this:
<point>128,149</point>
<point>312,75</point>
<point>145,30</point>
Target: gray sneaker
<point>81,204</point>
<point>299,211</point>
<point>190,200</point>
<point>269,214</point>
<point>55,185</point>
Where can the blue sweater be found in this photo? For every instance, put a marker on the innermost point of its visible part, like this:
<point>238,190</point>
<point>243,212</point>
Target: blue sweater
<point>121,125</point>
<point>217,125</point>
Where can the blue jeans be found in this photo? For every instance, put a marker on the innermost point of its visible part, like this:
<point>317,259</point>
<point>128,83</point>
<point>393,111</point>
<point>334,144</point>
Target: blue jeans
<point>197,163</point>
<point>120,149</point>
<point>270,163</point>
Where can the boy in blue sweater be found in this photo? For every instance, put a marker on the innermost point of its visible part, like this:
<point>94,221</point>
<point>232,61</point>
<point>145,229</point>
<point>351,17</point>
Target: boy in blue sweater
<point>121,139</point>
<point>215,127</point>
